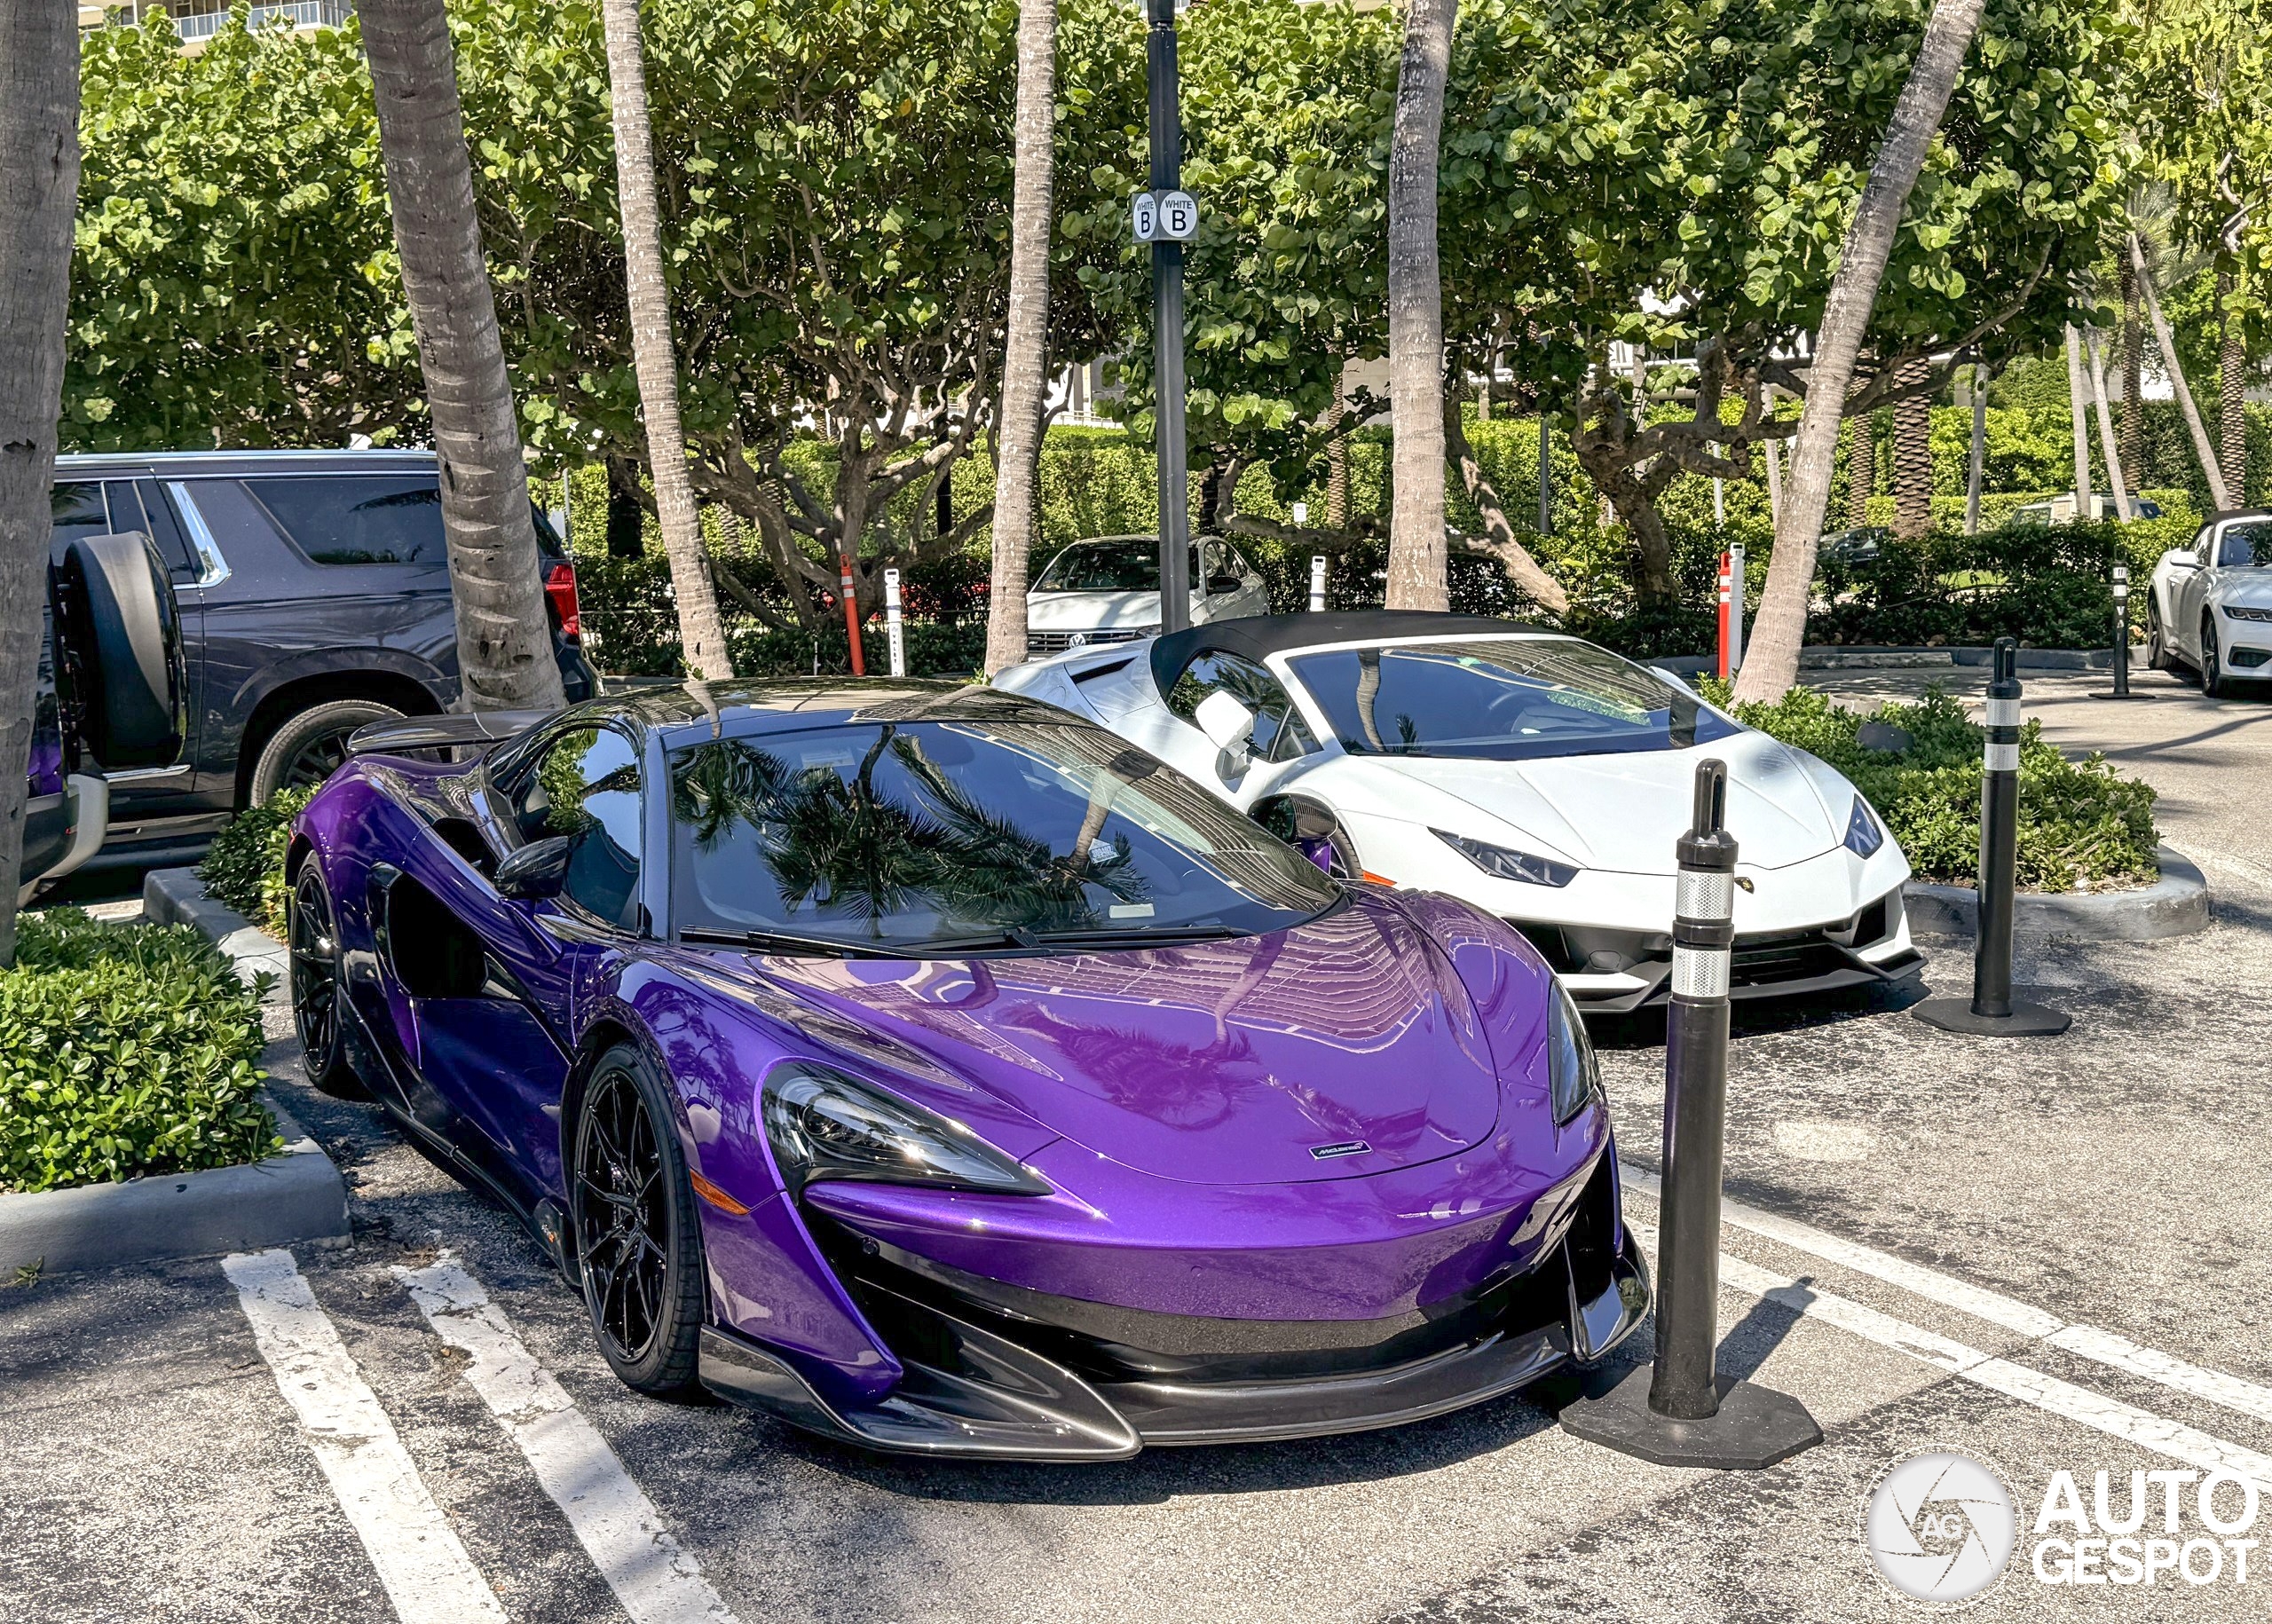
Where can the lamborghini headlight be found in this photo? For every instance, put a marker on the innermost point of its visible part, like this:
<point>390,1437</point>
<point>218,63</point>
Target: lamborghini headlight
<point>1572,1075</point>
<point>1864,833</point>
<point>1505,863</point>
<point>823,1124</point>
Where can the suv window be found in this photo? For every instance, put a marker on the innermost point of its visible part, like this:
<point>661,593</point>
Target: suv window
<point>112,507</point>
<point>80,511</point>
<point>584,784</point>
<point>1279,733</point>
<point>358,518</point>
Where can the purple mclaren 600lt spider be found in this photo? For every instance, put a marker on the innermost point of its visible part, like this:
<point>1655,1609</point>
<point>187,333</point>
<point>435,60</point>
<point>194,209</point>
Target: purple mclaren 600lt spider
<point>934,1069</point>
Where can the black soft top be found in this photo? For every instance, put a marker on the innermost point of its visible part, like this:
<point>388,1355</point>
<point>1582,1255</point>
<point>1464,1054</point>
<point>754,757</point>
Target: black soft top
<point>1258,636</point>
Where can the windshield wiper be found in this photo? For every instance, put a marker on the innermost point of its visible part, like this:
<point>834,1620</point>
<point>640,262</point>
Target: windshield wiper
<point>777,942</point>
<point>1165,935</point>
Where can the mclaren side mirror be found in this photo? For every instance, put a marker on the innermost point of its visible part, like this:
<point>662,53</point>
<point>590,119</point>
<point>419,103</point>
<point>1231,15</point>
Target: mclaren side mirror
<point>538,870</point>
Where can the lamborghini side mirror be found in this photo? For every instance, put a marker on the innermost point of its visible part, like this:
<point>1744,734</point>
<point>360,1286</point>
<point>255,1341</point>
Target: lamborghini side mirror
<point>538,870</point>
<point>1229,726</point>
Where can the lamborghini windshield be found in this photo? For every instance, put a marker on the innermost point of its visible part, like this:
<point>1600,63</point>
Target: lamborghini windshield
<point>1501,699</point>
<point>943,836</point>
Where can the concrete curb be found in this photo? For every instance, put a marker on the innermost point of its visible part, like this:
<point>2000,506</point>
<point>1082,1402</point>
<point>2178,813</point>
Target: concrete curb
<point>177,897</point>
<point>296,1199</point>
<point>1861,659</point>
<point>2178,905</point>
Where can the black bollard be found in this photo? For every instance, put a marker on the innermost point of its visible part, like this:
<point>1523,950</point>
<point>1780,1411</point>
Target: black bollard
<point>1680,1412</point>
<point>1991,1010</point>
<point>2121,637</point>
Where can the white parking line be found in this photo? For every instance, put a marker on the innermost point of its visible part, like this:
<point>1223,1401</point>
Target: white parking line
<point>2103,1347</point>
<point>2149,1432</point>
<point>654,1578</point>
<point>418,1558</point>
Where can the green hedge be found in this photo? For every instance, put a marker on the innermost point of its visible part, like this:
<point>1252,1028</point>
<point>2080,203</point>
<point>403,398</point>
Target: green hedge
<point>125,1050</point>
<point>2081,822</point>
<point>244,867</point>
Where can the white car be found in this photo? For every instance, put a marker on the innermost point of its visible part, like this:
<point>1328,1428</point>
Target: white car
<point>2211,603</point>
<point>1107,589</point>
<point>1537,776</point>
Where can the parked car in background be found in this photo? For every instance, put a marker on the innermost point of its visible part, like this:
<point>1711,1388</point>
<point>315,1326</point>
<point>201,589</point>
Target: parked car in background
<point>1107,589</point>
<point>314,595</point>
<point>1539,777</point>
<point>109,695</point>
<point>2211,603</point>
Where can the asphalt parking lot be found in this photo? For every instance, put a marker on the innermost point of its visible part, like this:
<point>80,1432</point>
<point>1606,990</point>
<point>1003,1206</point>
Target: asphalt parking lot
<point>2050,1256</point>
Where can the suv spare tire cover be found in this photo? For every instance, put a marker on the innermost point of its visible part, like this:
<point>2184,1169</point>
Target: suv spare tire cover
<point>125,630</point>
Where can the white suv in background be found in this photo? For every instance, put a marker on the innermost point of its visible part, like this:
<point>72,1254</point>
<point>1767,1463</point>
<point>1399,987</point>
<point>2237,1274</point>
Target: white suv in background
<point>2210,606</point>
<point>1107,589</point>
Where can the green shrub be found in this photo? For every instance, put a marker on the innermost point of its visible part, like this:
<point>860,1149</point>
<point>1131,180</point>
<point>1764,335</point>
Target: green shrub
<point>2081,822</point>
<point>125,1050</point>
<point>244,869</point>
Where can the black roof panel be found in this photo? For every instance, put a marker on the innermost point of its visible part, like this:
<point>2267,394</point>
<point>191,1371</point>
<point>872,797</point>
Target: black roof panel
<point>1257,636</point>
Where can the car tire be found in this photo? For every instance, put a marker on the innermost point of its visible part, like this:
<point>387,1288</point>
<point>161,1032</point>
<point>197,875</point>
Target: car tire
<point>638,1239</point>
<point>309,745</point>
<point>2157,656</point>
<point>2214,682</point>
<point>311,938</point>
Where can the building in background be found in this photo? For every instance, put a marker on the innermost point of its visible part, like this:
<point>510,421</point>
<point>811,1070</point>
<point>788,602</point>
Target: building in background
<point>198,20</point>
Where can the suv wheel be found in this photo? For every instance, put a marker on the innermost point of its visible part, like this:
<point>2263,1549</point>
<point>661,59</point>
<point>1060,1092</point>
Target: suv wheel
<point>310,745</point>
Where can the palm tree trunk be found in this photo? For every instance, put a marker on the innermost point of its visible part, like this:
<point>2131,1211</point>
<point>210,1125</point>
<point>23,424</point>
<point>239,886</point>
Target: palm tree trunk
<point>1772,657</point>
<point>1977,464</point>
<point>1416,314</point>
<point>39,195</point>
<point>2216,477</point>
<point>2134,373</point>
<point>2078,413</point>
<point>2232,377</point>
<point>505,659</point>
<point>1861,472</point>
<point>1025,351</point>
<point>701,630</point>
<point>1912,459</point>
<point>1337,455</point>
<point>2115,475</point>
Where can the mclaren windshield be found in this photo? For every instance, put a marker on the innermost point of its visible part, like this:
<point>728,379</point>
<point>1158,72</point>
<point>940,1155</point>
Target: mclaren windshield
<point>1501,699</point>
<point>918,838</point>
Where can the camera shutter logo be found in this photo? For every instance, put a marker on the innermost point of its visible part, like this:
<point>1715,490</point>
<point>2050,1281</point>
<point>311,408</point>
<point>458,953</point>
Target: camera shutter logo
<point>1940,1527</point>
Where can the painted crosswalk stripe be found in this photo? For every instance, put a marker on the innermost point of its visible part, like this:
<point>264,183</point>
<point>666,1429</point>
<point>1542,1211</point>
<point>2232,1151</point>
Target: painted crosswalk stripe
<point>2089,1342</point>
<point>654,1577</point>
<point>2156,1433</point>
<point>420,1560</point>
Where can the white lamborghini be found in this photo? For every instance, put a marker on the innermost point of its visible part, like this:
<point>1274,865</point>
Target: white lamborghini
<point>1540,776</point>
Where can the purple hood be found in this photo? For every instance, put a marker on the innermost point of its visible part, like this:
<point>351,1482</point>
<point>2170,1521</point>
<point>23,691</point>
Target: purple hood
<point>1221,1062</point>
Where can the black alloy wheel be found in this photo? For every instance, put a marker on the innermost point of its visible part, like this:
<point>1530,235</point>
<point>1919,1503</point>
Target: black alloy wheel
<point>2214,682</point>
<point>313,931</point>
<point>307,748</point>
<point>2156,645</point>
<point>638,1243</point>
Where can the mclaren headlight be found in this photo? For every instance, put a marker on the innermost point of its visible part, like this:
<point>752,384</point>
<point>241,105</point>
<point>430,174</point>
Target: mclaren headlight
<point>823,1124</point>
<point>1505,863</point>
<point>1572,1075</point>
<point>1864,833</point>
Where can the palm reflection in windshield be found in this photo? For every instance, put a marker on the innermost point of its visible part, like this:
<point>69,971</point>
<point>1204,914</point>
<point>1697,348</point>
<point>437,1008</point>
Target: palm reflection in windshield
<point>909,832</point>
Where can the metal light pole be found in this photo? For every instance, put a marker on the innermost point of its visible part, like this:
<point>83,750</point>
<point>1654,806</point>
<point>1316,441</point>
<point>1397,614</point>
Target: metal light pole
<point>1167,323</point>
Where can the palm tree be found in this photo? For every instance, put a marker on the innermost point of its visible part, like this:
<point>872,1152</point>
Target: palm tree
<point>1771,660</point>
<point>39,194</point>
<point>1416,313</point>
<point>1913,457</point>
<point>504,635</point>
<point>2210,466</point>
<point>2078,417</point>
<point>702,633</point>
<point>1025,351</point>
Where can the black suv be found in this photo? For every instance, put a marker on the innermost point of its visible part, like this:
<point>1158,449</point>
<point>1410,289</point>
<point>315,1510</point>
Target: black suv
<point>314,595</point>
